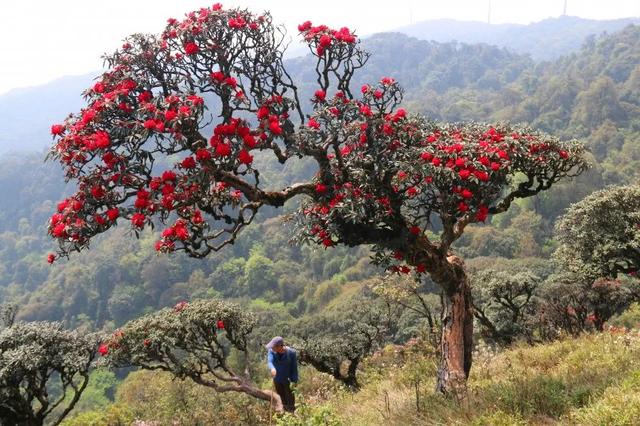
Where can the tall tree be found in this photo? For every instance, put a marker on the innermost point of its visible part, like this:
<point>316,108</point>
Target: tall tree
<point>383,177</point>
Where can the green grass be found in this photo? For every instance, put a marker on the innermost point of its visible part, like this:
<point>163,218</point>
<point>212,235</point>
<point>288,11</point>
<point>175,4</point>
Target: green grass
<point>591,380</point>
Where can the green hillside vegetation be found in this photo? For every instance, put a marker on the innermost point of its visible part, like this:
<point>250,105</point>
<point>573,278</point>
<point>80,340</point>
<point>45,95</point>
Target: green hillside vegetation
<point>590,380</point>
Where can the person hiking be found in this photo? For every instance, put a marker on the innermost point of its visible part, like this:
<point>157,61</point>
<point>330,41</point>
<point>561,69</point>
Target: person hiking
<point>283,365</point>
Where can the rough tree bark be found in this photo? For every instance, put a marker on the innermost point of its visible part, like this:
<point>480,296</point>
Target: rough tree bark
<point>456,343</point>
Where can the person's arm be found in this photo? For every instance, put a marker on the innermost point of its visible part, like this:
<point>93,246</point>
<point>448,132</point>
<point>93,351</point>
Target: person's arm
<point>294,367</point>
<point>272,368</point>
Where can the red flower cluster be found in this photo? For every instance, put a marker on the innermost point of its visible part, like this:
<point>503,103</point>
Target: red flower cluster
<point>180,306</point>
<point>321,37</point>
<point>268,119</point>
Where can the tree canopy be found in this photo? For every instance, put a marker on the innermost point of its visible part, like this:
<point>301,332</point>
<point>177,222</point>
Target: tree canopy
<point>43,370</point>
<point>212,91</point>
<point>600,235</point>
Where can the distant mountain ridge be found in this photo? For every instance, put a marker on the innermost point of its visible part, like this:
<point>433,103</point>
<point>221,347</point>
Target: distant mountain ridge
<point>26,114</point>
<point>545,40</point>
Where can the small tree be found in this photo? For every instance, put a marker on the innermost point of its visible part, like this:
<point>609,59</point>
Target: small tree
<point>413,294</point>
<point>43,371</point>
<point>383,177</point>
<point>574,303</point>
<point>192,340</point>
<point>504,304</point>
<point>600,235</point>
<point>336,342</point>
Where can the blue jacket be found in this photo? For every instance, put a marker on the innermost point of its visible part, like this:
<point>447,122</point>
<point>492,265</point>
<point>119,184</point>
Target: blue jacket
<point>285,364</point>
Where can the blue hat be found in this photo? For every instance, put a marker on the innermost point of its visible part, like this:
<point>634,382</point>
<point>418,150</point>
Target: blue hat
<point>276,341</point>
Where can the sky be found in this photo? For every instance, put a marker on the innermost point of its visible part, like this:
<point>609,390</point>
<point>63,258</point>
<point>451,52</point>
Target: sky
<point>46,39</point>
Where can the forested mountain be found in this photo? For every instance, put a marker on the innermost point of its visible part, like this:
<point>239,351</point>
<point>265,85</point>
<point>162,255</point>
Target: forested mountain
<point>593,94</point>
<point>545,40</point>
<point>27,113</point>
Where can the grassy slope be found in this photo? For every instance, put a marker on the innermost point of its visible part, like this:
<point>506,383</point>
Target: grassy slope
<point>592,380</point>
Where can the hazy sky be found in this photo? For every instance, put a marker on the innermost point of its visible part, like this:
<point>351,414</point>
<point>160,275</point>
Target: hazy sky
<point>46,39</point>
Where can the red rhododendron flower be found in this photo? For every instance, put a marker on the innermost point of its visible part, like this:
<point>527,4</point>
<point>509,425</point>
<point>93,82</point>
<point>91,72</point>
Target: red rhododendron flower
<point>482,213</point>
<point>57,129</point>
<point>97,191</point>
<point>191,48</point>
<point>426,156</point>
<point>305,26</point>
<point>463,207</point>
<point>223,149</point>
<point>51,258</point>
<point>244,157</point>
<point>482,176</point>
<point>217,76</point>
<point>202,154</point>
<point>321,188</point>
<point>181,233</point>
<point>466,193</point>
<point>188,163</point>
<point>59,231</point>
<point>170,115</point>
<point>180,306</point>
<point>275,128</point>
<point>220,325</point>
<point>262,113</point>
<point>138,219</point>
<point>320,95</point>
<point>415,230</point>
<point>145,96</point>
<point>113,214</point>
<point>103,349</point>
<point>325,41</point>
<point>168,175</point>
<point>312,123</point>
<point>464,174</point>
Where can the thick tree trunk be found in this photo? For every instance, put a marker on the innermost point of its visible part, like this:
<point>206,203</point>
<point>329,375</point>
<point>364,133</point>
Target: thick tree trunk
<point>456,343</point>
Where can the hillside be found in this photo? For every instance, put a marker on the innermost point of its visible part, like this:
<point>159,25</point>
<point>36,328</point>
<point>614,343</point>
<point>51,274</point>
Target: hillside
<point>591,380</point>
<point>546,40</point>
<point>27,113</point>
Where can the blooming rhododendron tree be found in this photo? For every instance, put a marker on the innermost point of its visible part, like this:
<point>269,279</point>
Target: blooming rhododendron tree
<point>212,90</point>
